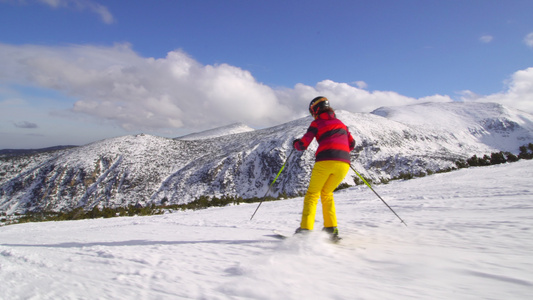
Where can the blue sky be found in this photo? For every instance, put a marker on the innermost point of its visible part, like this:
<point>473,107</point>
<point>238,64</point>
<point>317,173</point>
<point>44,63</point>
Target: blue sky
<point>76,71</point>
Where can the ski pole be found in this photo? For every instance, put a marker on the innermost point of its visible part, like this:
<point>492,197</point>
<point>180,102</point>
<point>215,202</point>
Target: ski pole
<point>282,167</point>
<point>367,184</point>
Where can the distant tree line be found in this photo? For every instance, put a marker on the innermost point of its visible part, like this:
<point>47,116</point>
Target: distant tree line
<point>526,152</point>
<point>80,213</point>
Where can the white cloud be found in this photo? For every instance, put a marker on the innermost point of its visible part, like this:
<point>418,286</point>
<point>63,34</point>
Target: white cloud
<point>529,40</point>
<point>361,84</point>
<point>518,93</point>
<point>346,97</point>
<point>486,39</point>
<point>80,5</point>
<point>115,84</point>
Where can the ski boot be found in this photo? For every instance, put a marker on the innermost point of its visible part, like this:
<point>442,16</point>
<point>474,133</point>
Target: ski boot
<point>333,233</point>
<point>301,230</point>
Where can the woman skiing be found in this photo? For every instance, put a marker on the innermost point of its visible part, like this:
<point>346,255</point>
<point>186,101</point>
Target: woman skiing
<point>332,161</point>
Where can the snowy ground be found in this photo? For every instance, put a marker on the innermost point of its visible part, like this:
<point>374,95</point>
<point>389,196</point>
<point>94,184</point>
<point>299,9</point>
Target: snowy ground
<point>469,236</point>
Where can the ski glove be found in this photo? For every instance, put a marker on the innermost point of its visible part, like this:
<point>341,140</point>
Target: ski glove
<point>298,145</point>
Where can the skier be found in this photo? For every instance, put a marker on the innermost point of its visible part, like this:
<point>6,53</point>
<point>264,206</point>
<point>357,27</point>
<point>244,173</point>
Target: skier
<point>332,161</point>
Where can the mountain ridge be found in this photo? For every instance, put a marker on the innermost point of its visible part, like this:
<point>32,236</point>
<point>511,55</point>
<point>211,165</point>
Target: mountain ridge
<point>217,132</point>
<point>144,169</point>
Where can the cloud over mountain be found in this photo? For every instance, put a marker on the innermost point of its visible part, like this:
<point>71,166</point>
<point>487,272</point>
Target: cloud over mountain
<point>114,83</point>
<point>518,92</point>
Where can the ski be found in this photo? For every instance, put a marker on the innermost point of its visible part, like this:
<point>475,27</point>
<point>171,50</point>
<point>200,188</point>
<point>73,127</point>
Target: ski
<point>279,235</point>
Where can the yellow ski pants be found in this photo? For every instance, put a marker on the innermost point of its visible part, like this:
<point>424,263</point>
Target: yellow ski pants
<point>325,178</point>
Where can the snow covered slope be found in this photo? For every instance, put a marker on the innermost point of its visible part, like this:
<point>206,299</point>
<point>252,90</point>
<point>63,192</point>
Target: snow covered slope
<point>469,236</point>
<point>217,132</point>
<point>145,169</point>
<point>495,125</point>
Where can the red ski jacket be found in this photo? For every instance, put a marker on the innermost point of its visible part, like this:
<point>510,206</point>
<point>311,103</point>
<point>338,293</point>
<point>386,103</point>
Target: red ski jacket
<point>334,139</point>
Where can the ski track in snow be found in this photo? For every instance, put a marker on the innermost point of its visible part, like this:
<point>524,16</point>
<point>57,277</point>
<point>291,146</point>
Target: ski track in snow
<point>468,237</point>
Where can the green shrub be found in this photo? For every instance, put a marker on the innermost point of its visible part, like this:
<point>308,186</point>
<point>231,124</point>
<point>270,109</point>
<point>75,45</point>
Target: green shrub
<point>511,157</point>
<point>497,158</point>
<point>342,186</point>
<point>526,152</point>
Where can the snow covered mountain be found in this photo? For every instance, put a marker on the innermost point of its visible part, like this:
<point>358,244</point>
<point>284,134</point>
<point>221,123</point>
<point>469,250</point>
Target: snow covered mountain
<point>144,169</point>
